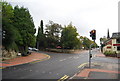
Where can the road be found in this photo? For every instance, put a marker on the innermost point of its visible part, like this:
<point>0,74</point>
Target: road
<point>57,66</point>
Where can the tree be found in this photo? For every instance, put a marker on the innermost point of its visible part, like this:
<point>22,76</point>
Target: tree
<point>69,38</point>
<point>9,42</point>
<point>41,43</point>
<point>102,40</point>
<point>41,24</point>
<point>87,42</point>
<point>53,31</point>
<point>25,26</point>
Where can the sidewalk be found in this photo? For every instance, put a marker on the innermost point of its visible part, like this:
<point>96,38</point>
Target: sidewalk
<point>98,70</point>
<point>23,60</point>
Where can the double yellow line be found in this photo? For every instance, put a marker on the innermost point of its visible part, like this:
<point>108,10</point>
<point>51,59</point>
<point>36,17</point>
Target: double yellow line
<point>63,78</point>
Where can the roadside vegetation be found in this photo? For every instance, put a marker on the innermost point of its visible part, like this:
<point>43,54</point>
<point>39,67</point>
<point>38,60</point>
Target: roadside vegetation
<point>110,53</point>
<point>19,28</point>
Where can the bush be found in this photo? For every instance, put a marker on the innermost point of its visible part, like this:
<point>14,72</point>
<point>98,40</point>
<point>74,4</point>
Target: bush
<point>110,53</point>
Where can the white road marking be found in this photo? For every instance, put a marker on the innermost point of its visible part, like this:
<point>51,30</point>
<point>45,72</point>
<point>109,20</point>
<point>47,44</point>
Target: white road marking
<point>62,59</point>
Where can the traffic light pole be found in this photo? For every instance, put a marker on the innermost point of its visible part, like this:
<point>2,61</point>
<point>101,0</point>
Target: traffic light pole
<point>90,55</point>
<point>93,35</point>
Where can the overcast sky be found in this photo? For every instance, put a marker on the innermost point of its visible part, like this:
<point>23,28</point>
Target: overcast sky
<point>84,14</point>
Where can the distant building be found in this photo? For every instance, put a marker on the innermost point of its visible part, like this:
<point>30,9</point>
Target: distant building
<point>113,43</point>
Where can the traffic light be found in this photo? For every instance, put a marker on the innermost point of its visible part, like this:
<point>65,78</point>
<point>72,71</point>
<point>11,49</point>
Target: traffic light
<point>93,34</point>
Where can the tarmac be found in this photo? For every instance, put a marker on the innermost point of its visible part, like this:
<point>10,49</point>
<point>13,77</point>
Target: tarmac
<point>33,57</point>
<point>98,70</point>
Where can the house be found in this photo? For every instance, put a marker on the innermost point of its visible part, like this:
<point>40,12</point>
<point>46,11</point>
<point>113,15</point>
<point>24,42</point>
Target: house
<point>113,43</point>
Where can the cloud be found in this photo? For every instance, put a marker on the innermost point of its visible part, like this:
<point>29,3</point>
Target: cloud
<point>85,14</point>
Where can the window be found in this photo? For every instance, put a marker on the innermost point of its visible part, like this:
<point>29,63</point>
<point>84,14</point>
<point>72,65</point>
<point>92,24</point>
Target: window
<point>118,48</point>
<point>118,40</point>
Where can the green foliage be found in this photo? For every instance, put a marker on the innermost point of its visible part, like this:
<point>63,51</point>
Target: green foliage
<point>41,43</point>
<point>8,27</point>
<point>69,38</point>
<point>109,52</point>
<point>25,26</point>
<point>87,42</point>
<point>41,24</point>
<point>19,28</point>
<point>53,31</point>
<point>102,40</point>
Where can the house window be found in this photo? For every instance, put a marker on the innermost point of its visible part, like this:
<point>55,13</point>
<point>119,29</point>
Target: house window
<point>109,47</point>
<point>118,48</point>
<point>118,40</point>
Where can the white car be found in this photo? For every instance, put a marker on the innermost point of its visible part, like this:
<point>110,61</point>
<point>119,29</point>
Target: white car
<point>34,49</point>
<point>29,48</point>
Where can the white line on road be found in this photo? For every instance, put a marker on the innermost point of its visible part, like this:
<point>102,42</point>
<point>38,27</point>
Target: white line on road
<point>62,59</point>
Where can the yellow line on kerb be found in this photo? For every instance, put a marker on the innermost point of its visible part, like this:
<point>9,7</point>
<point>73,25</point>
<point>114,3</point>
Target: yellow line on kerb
<point>94,63</point>
<point>80,66</point>
<point>2,67</point>
<point>48,57</point>
<point>63,78</point>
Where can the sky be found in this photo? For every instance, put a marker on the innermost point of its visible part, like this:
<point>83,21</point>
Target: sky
<point>85,15</point>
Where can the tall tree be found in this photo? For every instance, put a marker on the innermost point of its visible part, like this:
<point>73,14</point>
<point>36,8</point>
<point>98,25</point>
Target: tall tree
<point>8,27</point>
<point>53,31</point>
<point>41,24</point>
<point>25,25</point>
<point>41,43</point>
<point>69,38</point>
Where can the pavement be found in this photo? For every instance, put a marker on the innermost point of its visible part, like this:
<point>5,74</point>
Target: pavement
<point>98,70</point>
<point>33,57</point>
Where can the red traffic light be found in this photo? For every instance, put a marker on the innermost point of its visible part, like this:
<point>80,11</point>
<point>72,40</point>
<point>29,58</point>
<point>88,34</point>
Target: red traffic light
<point>93,34</point>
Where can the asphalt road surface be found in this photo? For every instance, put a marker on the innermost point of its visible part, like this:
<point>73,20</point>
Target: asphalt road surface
<point>57,66</point>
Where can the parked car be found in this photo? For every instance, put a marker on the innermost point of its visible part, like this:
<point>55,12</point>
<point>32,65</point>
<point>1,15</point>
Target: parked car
<point>34,49</point>
<point>29,48</point>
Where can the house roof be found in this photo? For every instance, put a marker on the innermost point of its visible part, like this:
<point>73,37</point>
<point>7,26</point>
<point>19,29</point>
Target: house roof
<point>116,35</point>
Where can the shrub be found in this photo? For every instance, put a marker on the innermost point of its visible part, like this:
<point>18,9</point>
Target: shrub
<point>110,53</point>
